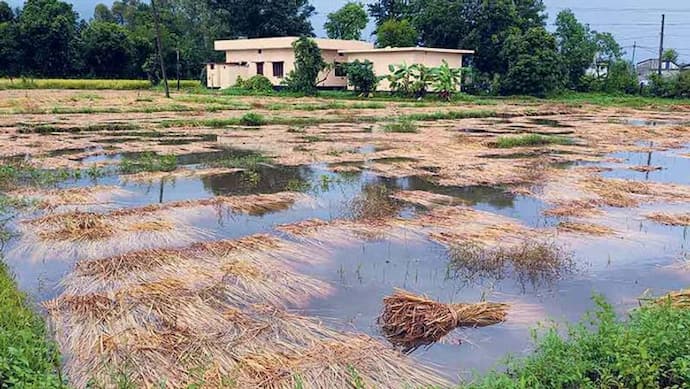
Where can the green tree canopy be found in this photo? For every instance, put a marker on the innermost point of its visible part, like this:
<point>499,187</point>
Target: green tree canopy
<point>393,33</point>
<point>106,50</point>
<point>670,55</point>
<point>102,13</point>
<point>6,13</point>
<point>348,22</point>
<point>534,66</point>
<point>264,18</point>
<point>48,31</point>
<point>384,10</point>
<point>607,47</point>
<point>577,46</point>
<point>308,64</point>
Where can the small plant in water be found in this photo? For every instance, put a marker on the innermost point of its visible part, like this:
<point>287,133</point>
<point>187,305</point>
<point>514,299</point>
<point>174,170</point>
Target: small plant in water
<point>506,142</point>
<point>373,204</point>
<point>530,262</point>
<point>149,162</point>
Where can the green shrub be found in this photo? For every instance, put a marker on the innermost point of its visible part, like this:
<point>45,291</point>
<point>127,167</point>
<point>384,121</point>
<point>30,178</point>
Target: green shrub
<point>361,76</point>
<point>650,350</point>
<point>252,119</point>
<point>257,83</point>
<point>27,358</point>
<point>506,142</point>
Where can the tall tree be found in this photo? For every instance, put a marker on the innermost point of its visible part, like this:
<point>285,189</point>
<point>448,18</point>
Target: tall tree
<point>348,22</point>
<point>102,13</point>
<point>106,50</point>
<point>264,18</point>
<point>308,64</point>
<point>384,10</point>
<point>393,33</point>
<point>577,46</point>
<point>670,55</point>
<point>534,65</point>
<point>10,47</point>
<point>49,29</point>
<point>441,23</point>
<point>607,47</point>
<point>6,13</point>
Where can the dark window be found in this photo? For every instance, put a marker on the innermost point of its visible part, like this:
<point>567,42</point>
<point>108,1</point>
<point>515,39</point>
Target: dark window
<point>340,70</point>
<point>213,66</point>
<point>260,51</point>
<point>278,69</point>
<point>260,68</point>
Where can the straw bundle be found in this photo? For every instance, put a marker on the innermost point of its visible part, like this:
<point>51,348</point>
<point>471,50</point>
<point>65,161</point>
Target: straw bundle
<point>409,321</point>
<point>255,204</point>
<point>574,208</point>
<point>679,299</point>
<point>584,228</point>
<point>426,199</point>
<point>670,219</point>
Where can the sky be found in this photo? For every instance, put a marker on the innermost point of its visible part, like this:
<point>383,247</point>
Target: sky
<point>630,21</point>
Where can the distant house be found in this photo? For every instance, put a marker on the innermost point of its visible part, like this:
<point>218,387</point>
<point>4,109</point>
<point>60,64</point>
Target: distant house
<point>651,66</point>
<point>274,58</point>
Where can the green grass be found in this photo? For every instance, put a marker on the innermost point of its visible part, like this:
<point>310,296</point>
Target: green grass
<point>13,174</point>
<point>47,128</point>
<point>620,100</point>
<point>27,358</point>
<point>649,350</point>
<point>27,83</point>
<point>506,142</point>
<point>252,119</point>
<point>249,160</point>
<point>148,162</point>
<point>404,126</point>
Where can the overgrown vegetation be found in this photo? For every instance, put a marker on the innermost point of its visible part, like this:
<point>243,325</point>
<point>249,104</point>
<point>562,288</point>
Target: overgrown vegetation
<point>649,350</point>
<point>27,358</point>
<point>308,64</point>
<point>506,142</point>
<point>249,160</point>
<point>148,162</point>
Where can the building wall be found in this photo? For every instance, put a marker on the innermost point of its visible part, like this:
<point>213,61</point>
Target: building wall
<point>382,60</point>
<point>225,75</point>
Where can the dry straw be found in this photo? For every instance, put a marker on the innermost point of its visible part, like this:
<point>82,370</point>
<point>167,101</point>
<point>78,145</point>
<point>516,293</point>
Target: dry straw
<point>584,228</point>
<point>670,219</point>
<point>410,321</point>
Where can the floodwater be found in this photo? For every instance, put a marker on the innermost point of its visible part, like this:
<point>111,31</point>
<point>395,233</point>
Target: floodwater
<point>364,272</point>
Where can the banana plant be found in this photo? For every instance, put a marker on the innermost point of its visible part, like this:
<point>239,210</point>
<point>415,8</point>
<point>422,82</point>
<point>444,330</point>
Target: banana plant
<point>447,80</point>
<point>423,78</point>
<point>400,79</point>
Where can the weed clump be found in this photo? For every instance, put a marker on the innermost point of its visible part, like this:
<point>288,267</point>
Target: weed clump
<point>253,119</point>
<point>374,204</point>
<point>403,126</point>
<point>149,162</point>
<point>506,142</point>
<point>530,262</point>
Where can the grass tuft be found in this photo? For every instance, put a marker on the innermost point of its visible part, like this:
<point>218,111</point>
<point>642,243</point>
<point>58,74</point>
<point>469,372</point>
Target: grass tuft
<point>253,119</point>
<point>403,126</point>
<point>506,142</point>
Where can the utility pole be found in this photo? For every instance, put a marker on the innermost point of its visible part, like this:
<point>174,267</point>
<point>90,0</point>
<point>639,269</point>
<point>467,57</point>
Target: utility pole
<point>661,43</point>
<point>633,59</point>
<point>156,21</point>
<point>178,69</point>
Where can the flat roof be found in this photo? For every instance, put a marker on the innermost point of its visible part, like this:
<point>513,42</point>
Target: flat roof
<point>286,43</point>
<point>404,49</point>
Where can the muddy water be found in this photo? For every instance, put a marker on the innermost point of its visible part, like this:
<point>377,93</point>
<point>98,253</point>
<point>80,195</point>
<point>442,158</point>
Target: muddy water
<point>364,272</point>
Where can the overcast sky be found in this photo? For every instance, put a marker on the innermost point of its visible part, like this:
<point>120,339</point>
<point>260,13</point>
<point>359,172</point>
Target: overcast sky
<point>628,20</point>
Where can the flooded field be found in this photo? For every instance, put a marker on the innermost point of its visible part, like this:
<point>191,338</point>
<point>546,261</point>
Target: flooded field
<point>182,244</point>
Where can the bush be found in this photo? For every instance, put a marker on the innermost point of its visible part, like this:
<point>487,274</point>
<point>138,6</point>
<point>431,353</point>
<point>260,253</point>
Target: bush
<point>403,125</point>
<point>256,83</point>
<point>650,350</point>
<point>361,76</point>
<point>675,86</point>
<point>252,119</point>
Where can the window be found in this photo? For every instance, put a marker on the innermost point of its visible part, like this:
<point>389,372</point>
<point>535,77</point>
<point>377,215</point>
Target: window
<point>213,66</point>
<point>260,51</point>
<point>278,69</point>
<point>260,68</point>
<point>340,70</point>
